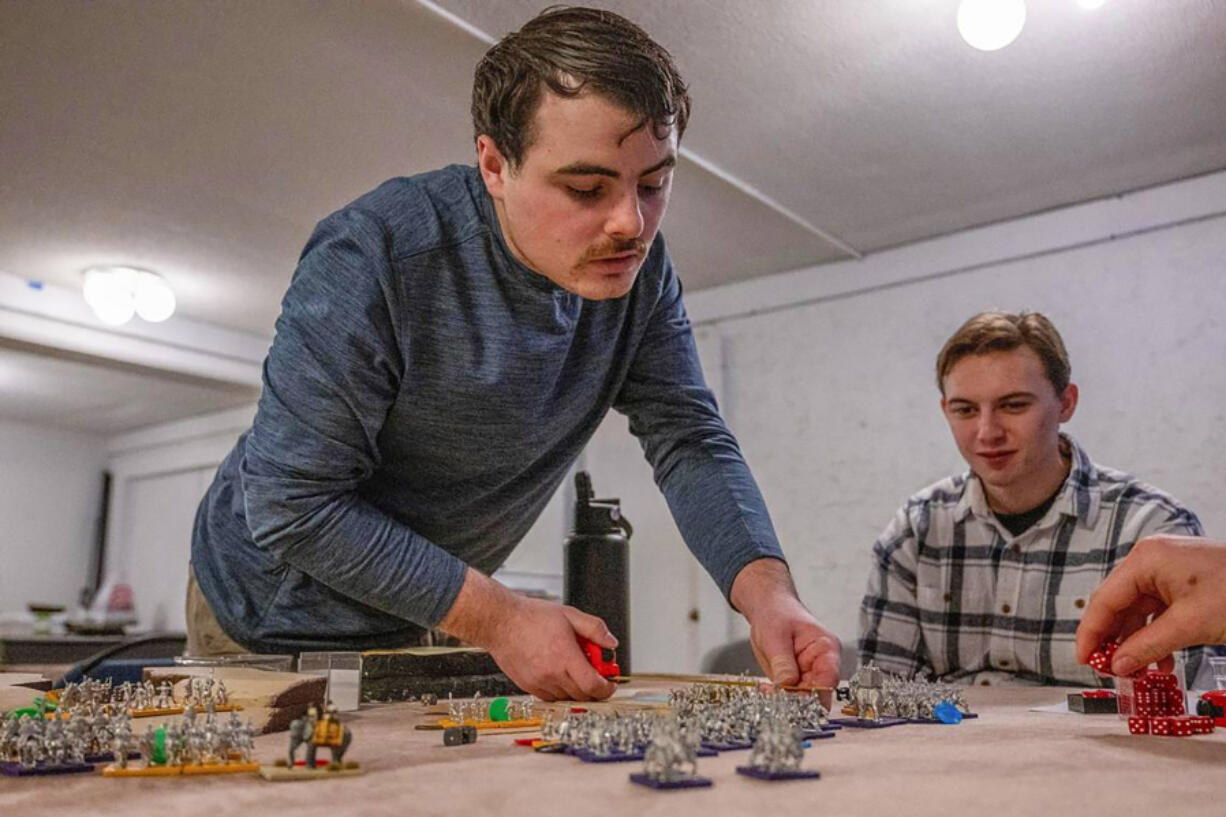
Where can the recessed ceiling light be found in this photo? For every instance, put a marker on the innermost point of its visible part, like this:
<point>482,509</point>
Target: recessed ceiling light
<point>117,293</point>
<point>155,301</point>
<point>990,25</point>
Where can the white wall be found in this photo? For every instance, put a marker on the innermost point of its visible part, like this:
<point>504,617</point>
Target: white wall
<point>50,501</point>
<point>159,475</point>
<point>835,405</point>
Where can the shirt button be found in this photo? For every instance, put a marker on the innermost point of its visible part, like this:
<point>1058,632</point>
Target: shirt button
<point>1006,609</point>
<point>1004,662</point>
<point>1079,603</point>
<point>985,683</point>
<point>947,597</point>
<point>1017,548</point>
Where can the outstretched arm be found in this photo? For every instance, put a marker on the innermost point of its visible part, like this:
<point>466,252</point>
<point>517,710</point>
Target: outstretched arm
<point>1178,580</point>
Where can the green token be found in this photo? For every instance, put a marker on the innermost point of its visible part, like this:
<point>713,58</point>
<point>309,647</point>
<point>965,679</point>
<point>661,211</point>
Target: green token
<point>158,755</point>
<point>499,709</point>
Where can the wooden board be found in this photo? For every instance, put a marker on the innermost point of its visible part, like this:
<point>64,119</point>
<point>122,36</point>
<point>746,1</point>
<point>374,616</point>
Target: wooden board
<point>270,699</point>
<point>19,689</point>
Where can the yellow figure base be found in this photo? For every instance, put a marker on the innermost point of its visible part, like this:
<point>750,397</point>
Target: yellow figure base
<point>482,726</point>
<point>178,710</point>
<point>175,771</point>
<point>285,773</point>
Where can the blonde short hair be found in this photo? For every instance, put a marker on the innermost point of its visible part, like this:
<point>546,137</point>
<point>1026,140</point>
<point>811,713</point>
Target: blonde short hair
<point>996,331</point>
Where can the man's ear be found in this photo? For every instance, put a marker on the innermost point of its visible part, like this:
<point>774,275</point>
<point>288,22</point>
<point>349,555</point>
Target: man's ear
<point>493,165</point>
<point>1068,402</point>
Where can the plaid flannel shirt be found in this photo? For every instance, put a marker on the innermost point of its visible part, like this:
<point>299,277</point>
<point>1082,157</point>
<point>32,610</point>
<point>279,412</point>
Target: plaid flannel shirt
<point>954,595</point>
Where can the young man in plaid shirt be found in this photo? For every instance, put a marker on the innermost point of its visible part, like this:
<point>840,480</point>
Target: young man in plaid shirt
<point>984,576</point>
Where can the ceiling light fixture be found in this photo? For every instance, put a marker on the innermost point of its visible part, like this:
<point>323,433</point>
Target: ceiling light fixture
<point>990,25</point>
<point>117,293</point>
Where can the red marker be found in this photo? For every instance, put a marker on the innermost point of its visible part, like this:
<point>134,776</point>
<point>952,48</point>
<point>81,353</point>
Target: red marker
<point>602,658</point>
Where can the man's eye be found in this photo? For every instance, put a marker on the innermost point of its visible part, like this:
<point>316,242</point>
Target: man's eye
<point>651,189</point>
<point>963,411</point>
<point>584,193</point>
<point>1015,406</point>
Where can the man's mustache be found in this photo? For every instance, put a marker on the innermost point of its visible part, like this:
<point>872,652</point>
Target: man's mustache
<point>637,245</point>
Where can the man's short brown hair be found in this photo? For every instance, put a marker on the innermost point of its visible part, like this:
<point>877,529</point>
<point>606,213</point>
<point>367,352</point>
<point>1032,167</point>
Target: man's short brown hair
<point>571,51</point>
<point>996,331</point>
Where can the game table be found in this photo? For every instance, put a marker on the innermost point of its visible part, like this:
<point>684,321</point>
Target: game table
<point>1008,761</point>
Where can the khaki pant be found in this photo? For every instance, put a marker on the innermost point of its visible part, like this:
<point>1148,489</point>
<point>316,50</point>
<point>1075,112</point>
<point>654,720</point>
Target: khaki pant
<point>204,634</point>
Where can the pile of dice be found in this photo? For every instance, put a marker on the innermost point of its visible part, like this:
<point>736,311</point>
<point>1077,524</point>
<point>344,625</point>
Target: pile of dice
<point>1151,700</point>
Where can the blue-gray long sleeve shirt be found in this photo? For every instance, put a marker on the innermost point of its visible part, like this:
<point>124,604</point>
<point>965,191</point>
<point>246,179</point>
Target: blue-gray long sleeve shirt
<point>423,398</point>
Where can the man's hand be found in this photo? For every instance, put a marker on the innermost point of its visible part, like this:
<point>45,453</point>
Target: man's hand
<point>791,647</point>
<point>533,641</point>
<point>1180,580</point>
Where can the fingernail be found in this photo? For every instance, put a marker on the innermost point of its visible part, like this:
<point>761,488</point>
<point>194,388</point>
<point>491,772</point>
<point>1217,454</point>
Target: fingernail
<point>610,637</point>
<point>1124,665</point>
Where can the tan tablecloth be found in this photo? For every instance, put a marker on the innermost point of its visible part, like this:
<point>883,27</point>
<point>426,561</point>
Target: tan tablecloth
<point>1009,761</point>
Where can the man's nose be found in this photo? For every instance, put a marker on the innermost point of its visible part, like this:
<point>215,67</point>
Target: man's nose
<point>626,218</point>
<point>989,426</point>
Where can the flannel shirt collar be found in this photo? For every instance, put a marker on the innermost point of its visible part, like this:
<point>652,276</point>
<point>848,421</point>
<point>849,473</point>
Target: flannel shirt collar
<point>1080,495</point>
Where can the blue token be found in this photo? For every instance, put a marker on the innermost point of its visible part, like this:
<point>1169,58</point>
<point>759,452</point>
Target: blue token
<point>947,713</point>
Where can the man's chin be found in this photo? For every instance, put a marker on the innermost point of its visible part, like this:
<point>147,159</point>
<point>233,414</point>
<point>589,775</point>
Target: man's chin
<point>602,287</point>
<point>996,480</point>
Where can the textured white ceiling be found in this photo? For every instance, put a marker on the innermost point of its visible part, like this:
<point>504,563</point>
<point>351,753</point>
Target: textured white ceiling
<point>205,139</point>
<point>89,395</point>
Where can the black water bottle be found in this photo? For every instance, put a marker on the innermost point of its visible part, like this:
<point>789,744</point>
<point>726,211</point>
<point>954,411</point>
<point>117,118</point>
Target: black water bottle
<point>596,578</point>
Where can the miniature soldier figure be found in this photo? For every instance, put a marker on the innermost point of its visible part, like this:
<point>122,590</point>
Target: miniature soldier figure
<point>206,690</point>
<point>77,734</point>
<point>242,737</point>
<point>8,738</point>
<point>148,747</point>
<point>212,741</point>
<point>672,755</point>
<point>867,686</point>
<point>165,696</point>
<point>221,695</point>
<point>777,753</point>
<point>30,749</point>
<point>141,699</point>
<point>778,747</point>
<point>54,743</point>
<point>121,740</point>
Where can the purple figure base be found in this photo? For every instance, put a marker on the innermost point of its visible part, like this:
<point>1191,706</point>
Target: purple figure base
<point>865,723</point>
<point>783,774</point>
<point>588,756</point>
<point>694,782</point>
<point>934,720</point>
<point>13,769</point>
